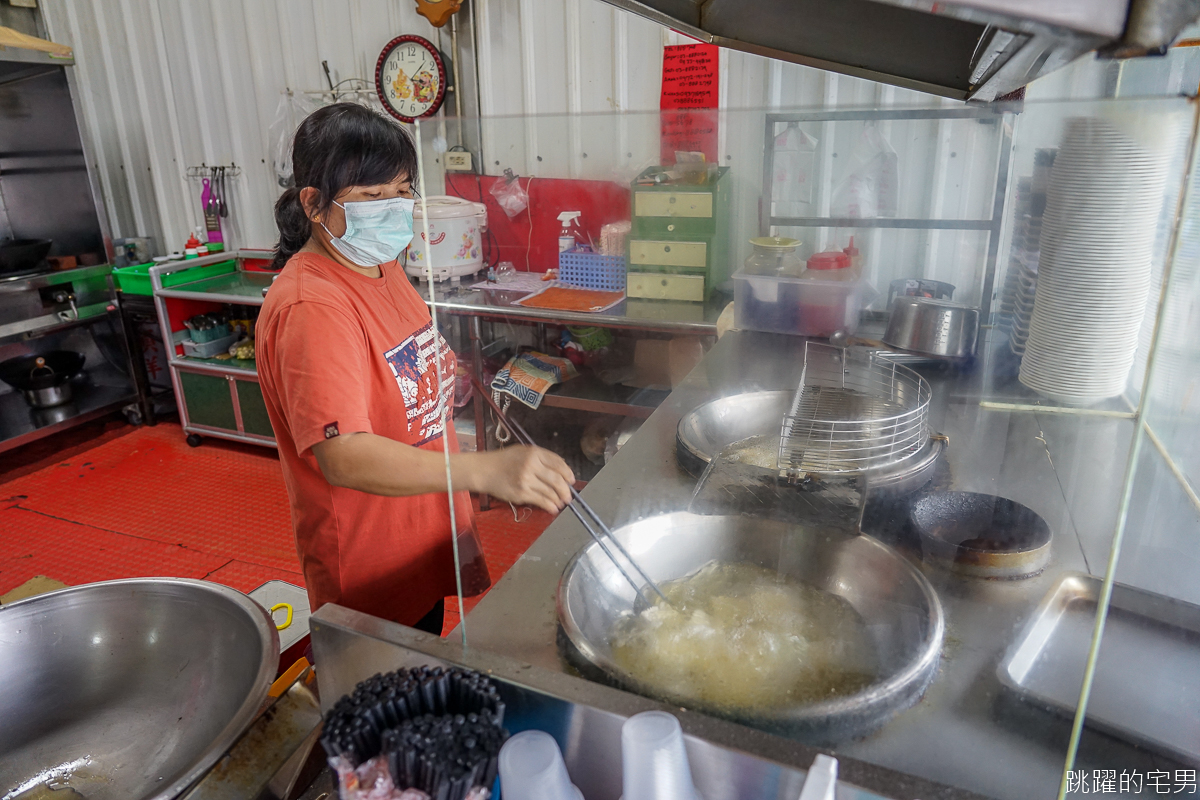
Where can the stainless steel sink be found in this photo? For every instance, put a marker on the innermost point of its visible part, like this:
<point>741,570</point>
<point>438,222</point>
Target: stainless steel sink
<point>128,689</point>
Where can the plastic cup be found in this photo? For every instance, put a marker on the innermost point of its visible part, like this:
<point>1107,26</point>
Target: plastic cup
<point>654,762</point>
<point>532,768</point>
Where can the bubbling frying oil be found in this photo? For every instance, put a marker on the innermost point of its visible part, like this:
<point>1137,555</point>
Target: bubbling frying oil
<point>739,636</point>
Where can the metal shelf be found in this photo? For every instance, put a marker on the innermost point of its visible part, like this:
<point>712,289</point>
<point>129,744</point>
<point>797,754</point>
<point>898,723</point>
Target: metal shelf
<point>884,222</point>
<point>1002,116</point>
<point>105,390</point>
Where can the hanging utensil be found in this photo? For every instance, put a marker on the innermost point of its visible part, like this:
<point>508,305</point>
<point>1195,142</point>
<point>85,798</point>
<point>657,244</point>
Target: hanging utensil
<point>224,201</point>
<point>579,507</point>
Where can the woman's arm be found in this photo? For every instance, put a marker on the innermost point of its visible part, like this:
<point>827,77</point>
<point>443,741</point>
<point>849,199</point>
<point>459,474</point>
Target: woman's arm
<point>378,465</point>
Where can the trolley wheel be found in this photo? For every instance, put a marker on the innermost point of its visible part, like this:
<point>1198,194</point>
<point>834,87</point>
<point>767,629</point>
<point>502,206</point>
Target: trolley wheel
<point>133,415</point>
<point>194,440</point>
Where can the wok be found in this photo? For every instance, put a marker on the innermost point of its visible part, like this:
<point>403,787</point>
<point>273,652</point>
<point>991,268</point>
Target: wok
<point>128,689</point>
<point>24,374</point>
<point>22,255</point>
<point>897,603</point>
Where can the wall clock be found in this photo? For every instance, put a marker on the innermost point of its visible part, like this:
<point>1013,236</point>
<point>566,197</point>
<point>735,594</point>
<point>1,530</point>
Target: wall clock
<point>410,78</point>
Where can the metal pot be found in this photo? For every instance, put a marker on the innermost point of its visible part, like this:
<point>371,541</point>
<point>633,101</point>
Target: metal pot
<point>897,603</point>
<point>933,327</point>
<point>129,689</point>
<point>50,396</point>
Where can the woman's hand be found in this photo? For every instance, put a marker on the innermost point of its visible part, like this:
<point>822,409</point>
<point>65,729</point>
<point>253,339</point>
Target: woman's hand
<point>527,476</point>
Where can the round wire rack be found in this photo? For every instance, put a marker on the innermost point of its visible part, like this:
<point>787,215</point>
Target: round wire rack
<point>853,412</point>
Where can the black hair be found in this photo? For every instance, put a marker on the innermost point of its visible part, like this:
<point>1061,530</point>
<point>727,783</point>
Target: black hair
<point>335,147</point>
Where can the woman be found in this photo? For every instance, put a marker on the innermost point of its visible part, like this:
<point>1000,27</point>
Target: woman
<point>356,381</point>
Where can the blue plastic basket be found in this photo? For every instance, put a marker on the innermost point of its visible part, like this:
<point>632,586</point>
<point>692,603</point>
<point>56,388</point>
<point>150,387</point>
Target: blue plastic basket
<point>592,270</point>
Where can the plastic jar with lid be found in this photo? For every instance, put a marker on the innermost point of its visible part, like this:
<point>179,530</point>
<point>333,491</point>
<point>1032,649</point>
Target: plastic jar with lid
<point>833,265</point>
<point>774,256</point>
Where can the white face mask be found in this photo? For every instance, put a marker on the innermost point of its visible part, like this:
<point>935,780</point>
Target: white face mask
<point>377,231</point>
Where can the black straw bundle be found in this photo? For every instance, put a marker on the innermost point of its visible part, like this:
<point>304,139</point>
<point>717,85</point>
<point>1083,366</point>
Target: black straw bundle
<point>440,730</point>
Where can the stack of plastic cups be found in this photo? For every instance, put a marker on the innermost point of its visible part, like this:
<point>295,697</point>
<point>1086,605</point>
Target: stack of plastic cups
<point>654,761</point>
<point>532,768</point>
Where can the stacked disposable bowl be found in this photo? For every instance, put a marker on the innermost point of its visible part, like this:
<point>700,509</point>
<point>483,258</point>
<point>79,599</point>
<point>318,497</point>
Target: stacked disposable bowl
<point>1094,268</point>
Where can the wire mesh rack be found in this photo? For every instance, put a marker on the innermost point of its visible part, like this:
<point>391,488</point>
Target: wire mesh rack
<point>852,412</point>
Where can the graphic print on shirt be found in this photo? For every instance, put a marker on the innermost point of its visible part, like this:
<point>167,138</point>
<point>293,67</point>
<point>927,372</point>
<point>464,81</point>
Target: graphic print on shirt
<point>412,363</point>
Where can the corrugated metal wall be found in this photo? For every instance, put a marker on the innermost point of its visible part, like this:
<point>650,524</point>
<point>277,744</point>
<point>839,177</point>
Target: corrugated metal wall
<point>167,84</point>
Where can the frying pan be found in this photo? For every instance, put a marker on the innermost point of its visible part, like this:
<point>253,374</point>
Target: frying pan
<point>43,385</point>
<point>20,255</point>
<point>981,535</point>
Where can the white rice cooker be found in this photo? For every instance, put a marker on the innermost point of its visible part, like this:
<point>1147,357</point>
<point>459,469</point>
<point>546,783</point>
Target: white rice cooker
<point>456,228</point>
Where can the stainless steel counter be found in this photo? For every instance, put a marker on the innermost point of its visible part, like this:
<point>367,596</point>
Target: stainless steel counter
<point>967,731</point>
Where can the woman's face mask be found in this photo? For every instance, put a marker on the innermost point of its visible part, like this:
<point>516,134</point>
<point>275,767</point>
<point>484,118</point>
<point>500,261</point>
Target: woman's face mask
<point>377,231</point>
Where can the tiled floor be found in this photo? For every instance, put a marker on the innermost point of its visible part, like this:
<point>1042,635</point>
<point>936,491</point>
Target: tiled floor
<point>140,502</point>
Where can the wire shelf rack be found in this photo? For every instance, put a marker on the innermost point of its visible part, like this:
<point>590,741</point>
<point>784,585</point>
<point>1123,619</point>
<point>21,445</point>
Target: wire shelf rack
<point>852,412</point>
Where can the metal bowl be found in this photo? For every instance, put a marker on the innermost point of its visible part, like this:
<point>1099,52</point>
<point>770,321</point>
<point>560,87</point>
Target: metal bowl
<point>128,689</point>
<point>932,327</point>
<point>898,605</point>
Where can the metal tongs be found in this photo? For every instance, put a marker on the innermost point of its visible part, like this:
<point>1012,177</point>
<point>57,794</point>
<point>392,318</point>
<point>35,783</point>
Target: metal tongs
<point>579,507</point>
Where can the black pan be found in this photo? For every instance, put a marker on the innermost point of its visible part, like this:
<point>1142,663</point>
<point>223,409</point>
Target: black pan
<point>22,255</point>
<point>22,372</point>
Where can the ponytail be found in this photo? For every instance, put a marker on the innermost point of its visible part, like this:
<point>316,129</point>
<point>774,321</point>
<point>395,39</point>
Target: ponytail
<point>335,147</point>
<point>294,227</point>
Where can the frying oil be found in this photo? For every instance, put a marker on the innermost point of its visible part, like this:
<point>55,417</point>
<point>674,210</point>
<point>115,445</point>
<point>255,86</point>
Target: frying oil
<point>739,636</point>
<point>760,450</point>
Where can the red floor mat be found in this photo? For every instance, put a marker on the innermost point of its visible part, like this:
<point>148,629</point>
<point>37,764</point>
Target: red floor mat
<point>34,544</point>
<point>217,498</point>
<point>146,504</point>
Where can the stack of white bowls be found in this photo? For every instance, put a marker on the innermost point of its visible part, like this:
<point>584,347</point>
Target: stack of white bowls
<point>1094,270</point>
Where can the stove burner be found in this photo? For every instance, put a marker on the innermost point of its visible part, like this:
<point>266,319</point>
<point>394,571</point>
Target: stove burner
<point>981,535</point>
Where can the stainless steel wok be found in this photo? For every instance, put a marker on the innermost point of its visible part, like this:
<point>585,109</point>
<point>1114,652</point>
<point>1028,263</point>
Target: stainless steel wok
<point>128,689</point>
<point>709,428</point>
<point>897,603</point>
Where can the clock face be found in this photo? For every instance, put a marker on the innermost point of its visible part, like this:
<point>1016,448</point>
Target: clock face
<point>410,78</point>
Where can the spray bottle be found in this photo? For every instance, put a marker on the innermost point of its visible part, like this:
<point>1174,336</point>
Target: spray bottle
<point>566,239</point>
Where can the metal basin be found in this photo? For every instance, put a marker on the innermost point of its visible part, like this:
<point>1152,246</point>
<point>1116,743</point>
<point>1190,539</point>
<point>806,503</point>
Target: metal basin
<point>128,689</point>
<point>897,603</point>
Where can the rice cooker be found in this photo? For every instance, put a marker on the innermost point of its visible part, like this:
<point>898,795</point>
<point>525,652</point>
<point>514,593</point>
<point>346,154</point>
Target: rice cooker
<point>455,244</point>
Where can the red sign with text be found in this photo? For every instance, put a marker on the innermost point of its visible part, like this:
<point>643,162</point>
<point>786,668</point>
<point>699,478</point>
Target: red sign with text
<point>690,87</point>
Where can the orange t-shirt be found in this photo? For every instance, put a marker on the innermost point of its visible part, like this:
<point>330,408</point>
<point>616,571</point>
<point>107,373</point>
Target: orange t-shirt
<point>342,353</point>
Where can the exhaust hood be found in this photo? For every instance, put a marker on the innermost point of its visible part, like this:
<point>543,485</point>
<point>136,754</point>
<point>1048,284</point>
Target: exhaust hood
<point>965,49</point>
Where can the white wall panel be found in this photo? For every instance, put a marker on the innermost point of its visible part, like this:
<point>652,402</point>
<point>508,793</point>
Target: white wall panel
<point>167,84</point>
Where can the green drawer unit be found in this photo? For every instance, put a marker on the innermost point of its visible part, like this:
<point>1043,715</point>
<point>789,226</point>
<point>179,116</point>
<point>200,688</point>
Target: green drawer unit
<point>680,229</point>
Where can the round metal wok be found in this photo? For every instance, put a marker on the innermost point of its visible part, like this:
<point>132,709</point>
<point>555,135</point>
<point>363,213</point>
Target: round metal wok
<point>897,603</point>
<point>128,689</point>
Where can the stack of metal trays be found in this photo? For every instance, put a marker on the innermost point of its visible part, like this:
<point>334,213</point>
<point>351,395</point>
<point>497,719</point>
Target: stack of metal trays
<point>852,413</point>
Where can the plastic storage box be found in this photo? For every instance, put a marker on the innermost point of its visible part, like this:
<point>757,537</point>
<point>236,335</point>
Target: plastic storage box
<point>208,349</point>
<point>799,306</point>
<point>136,279</point>
<point>592,270</point>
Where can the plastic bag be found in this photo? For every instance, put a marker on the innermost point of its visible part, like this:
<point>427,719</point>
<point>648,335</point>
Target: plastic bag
<point>871,187</point>
<point>290,112</point>
<point>510,194</point>
<point>795,172</point>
